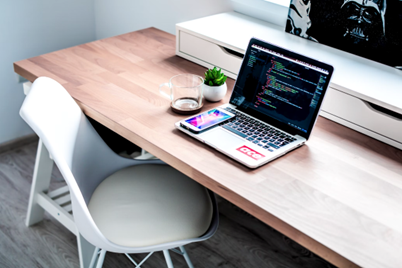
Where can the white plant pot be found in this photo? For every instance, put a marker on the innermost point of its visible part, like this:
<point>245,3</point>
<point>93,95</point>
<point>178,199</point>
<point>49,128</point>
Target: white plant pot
<point>216,93</point>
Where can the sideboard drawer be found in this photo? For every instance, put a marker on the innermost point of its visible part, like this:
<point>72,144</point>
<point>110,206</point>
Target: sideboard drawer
<point>209,53</point>
<point>364,114</point>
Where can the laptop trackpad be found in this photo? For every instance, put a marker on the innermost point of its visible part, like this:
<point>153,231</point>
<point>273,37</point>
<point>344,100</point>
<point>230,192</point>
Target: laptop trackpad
<point>220,138</point>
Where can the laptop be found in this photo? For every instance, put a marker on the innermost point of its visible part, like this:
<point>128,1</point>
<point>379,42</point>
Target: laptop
<point>276,99</point>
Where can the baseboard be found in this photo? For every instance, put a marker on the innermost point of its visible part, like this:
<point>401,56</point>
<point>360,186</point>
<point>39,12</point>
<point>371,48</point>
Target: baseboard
<point>10,145</point>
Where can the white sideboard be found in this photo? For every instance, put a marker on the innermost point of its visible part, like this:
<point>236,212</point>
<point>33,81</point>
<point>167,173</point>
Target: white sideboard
<point>363,95</point>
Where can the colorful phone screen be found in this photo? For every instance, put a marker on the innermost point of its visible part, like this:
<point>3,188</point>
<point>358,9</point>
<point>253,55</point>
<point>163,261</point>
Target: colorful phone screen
<point>208,119</point>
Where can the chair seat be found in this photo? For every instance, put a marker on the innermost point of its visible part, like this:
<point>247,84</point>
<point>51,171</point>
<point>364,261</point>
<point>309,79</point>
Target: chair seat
<point>145,205</point>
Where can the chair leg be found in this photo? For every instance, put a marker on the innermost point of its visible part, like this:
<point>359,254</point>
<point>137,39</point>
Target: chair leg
<point>86,252</point>
<point>94,258</point>
<point>142,262</point>
<point>168,259</point>
<point>186,257</point>
<point>101,259</point>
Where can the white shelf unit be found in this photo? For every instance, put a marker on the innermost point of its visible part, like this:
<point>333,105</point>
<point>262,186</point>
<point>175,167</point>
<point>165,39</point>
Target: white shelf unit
<point>364,95</point>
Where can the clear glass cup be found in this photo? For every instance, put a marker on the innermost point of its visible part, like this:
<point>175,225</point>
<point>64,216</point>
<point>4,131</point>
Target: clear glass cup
<point>185,91</point>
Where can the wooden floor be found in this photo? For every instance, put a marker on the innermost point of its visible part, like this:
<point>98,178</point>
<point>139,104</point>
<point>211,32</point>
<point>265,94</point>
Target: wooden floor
<point>241,241</point>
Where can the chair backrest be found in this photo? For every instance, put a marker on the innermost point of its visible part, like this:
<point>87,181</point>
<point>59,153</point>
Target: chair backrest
<point>83,158</point>
<point>78,151</point>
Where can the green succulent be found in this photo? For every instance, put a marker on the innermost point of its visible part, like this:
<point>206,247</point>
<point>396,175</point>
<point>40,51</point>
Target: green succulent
<point>214,77</point>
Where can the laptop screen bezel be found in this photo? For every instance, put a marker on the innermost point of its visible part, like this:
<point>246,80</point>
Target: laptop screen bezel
<point>270,120</point>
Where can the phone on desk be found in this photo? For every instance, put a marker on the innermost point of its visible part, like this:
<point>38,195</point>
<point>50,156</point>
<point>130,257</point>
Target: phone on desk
<point>206,120</point>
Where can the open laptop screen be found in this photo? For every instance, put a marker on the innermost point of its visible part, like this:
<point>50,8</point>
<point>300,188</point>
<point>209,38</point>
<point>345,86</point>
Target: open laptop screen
<point>281,87</point>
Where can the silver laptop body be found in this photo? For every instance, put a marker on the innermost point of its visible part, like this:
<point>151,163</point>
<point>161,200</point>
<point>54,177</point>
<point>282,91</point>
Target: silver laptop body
<point>276,98</point>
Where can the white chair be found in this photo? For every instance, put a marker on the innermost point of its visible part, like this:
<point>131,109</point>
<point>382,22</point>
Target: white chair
<point>119,205</point>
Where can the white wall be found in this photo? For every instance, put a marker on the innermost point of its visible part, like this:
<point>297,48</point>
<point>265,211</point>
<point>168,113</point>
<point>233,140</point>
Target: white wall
<point>30,28</point>
<point>122,16</point>
<point>273,11</point>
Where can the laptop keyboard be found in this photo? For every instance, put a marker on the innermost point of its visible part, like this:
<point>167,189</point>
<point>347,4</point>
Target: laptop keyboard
<point>259,133</point>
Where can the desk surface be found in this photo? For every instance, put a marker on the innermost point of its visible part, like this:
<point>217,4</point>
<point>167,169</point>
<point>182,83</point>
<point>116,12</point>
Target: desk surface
<point>340,195</point>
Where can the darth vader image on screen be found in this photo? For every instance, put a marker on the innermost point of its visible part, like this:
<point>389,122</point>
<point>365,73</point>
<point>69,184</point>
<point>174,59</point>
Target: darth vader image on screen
<point>367,28</point>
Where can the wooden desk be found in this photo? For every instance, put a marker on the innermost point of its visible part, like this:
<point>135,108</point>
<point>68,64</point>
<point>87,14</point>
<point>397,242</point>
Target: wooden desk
<point>340,195</point>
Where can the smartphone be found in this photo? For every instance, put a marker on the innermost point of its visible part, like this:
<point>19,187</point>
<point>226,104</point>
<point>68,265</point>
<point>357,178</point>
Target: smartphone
<point>206,120</point>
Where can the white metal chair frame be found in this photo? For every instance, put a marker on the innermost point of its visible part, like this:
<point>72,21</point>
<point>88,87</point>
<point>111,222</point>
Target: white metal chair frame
<point>99,256</point>
<point>57,202</point>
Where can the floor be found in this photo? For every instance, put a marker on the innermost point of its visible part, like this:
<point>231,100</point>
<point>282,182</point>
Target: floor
<point>241,241</point>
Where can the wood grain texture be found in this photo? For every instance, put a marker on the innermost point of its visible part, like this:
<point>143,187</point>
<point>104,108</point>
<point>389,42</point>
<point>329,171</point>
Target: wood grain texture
<point>340,195</point>
<point>240,242</point>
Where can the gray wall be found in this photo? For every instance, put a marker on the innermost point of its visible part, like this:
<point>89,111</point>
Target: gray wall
<point>122,16</point>
<point>30,28</point>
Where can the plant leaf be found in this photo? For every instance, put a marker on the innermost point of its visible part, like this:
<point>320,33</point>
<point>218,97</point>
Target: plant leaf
<point>214,77</point>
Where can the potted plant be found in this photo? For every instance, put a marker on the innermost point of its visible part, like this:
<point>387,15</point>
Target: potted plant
<point>214,85</point>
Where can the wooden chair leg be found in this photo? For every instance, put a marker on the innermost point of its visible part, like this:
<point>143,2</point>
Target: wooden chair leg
<point>40,183</point>
<point>168,259</point>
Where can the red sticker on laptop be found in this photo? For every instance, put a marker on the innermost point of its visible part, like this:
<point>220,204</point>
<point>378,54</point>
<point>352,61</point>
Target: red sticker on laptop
<point>250,152</point>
